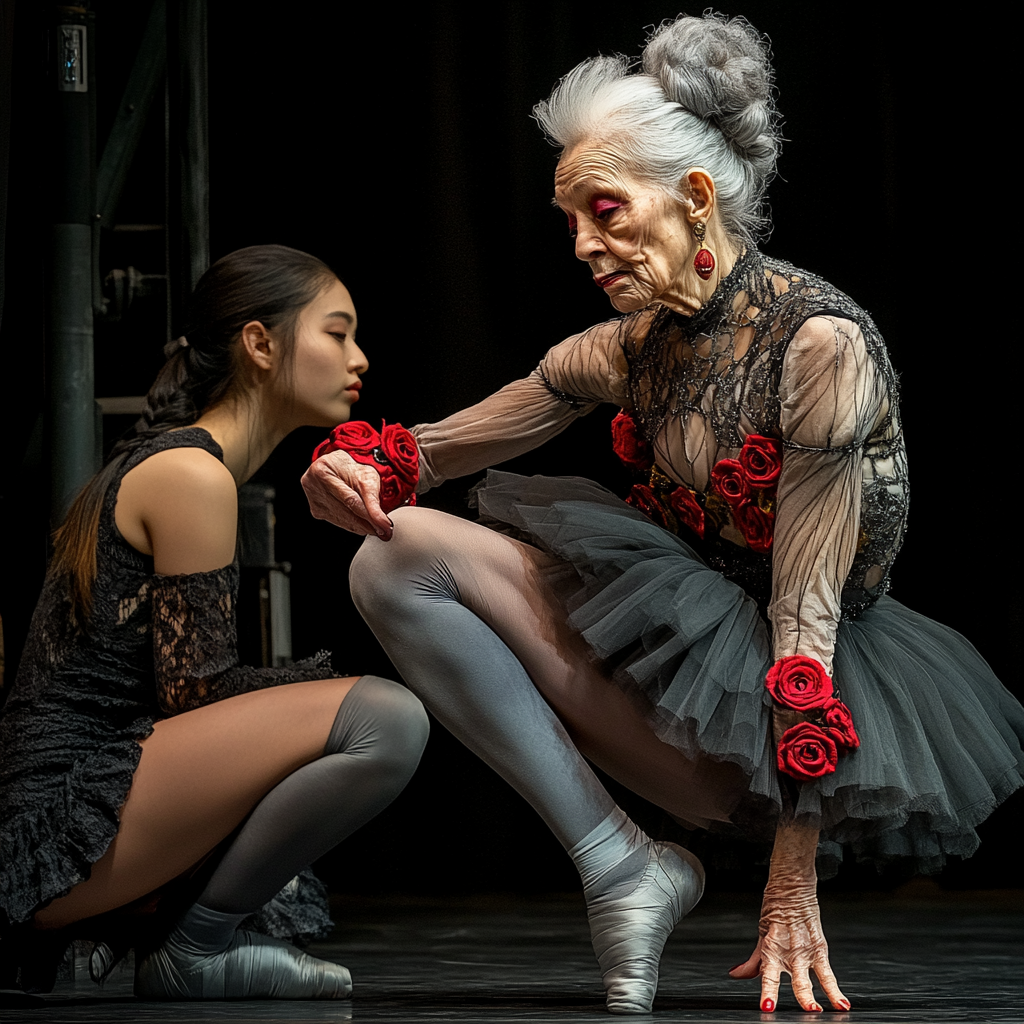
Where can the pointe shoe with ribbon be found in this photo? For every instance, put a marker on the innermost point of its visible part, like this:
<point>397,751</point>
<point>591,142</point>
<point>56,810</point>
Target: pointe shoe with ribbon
<point>629,931</point>
<point>252,967</point>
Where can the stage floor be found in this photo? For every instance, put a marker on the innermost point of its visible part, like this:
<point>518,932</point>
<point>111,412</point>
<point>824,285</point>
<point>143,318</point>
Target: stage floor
<point>919,955</point>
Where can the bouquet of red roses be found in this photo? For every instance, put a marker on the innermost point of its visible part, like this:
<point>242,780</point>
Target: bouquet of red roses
<point>392,452</point>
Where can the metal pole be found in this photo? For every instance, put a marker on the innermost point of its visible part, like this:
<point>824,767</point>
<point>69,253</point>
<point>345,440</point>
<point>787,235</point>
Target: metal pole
<point>188,193</point>
<point>71,400</point>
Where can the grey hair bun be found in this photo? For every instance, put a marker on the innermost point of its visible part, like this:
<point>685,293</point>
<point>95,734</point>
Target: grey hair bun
<point>718,69</point>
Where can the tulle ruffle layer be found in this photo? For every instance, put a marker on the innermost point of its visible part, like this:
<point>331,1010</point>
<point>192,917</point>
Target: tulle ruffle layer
<point>940,736</point>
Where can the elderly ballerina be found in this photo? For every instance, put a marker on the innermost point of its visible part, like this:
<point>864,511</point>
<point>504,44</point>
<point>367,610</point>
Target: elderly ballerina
<point>723,643</point>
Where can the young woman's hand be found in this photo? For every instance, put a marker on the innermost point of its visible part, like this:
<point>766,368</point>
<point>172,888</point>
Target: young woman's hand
<point>791,939</point>
<point>344,492</point>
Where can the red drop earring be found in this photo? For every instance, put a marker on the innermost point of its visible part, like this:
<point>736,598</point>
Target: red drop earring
<point>704,261</point>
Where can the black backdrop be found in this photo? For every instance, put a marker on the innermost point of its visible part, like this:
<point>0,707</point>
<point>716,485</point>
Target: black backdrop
<point>400,150</point>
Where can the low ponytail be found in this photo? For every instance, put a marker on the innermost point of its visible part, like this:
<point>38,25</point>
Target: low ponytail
<point>167,405</point>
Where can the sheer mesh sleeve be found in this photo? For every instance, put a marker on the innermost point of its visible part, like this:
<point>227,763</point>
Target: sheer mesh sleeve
<point>832,397</point>
<point>195,644</point>
<point>573,378</point>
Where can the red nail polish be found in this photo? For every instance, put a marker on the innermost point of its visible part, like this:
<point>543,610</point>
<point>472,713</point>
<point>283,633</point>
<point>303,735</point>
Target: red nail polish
<point>768,1005</point>
<point>844,1003</point>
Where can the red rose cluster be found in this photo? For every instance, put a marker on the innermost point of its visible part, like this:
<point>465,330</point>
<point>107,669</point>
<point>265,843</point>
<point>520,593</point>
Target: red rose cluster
<point>635,453</point>
<point>392,452</point>
<point>810,749</point>
<point>748,486</point>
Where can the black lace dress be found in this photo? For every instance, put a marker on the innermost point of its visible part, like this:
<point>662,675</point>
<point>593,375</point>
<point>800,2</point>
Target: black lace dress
<point>70,731</point>
<point>692,591</point>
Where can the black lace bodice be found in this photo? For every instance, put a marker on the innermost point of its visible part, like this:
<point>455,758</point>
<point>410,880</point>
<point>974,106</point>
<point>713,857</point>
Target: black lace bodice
<point>156,646</point>
<point>776,352</point>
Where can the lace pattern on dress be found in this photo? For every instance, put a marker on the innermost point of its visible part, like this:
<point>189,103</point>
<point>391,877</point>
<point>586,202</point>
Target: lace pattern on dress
<point>195,644</point>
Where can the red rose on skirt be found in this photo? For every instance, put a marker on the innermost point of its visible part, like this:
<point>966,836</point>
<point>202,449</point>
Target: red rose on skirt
<point>799,683</point>
<point>840,721</point>
<point>687,511</point>
<point>730,481</point>
<point>756,525</point>
<point>761,459</point>
<point>641,497</point>
<point>630,447</point>
<point>400,449</point>
<point>806,752</point>
<point>356,437</point>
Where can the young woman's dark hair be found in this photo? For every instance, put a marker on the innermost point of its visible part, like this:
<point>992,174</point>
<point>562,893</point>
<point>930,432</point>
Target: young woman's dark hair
<point>268,283</point>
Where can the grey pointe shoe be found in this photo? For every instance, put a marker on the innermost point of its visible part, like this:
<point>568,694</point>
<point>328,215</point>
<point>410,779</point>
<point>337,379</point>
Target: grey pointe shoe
<point>252,967</point>
<point>629,932</point>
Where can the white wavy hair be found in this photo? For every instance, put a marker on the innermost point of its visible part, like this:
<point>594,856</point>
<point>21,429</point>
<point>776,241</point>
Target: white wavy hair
<point>703,97</point>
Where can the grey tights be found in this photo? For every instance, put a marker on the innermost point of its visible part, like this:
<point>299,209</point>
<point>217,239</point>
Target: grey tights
<point>373,748</point>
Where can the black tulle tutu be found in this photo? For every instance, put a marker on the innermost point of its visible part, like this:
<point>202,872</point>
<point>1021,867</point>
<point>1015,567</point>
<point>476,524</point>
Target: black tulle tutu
<point>941,737</point>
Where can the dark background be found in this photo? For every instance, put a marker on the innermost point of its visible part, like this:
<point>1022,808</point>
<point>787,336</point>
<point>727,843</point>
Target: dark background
<point>401,151</point>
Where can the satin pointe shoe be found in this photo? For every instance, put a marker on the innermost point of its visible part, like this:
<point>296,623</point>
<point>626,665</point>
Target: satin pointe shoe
<point>629,931</point>
<point>252,967</point>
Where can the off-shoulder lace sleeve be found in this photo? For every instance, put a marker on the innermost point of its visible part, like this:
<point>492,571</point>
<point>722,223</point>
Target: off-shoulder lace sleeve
<point>571,380</point>
<point>832,397</point>
<point>195,644</point>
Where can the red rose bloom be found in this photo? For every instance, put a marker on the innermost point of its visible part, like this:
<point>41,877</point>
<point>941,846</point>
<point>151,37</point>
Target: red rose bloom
<point>356,437</point>
<point>756,525</point>
<point>392,489</point>
<point>730,481</point>
<point>400,449</point>
<point>632,449</point>
<point>806,752</point>
<point>641,497</point>
<point>799,683</point>
<point>687,511</point>
<point>840,721</point>
<point>761,459</point>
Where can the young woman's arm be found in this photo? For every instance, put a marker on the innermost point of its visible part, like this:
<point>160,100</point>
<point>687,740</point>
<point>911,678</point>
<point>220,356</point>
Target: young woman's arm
<point>183,511</point>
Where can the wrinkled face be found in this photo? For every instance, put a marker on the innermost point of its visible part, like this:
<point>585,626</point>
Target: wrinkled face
<point>636,239</point>
<point>327,361</point>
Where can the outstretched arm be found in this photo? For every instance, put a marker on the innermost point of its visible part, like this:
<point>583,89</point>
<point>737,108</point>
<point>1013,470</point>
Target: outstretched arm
<point>832,398</point>
<point>571,380</point>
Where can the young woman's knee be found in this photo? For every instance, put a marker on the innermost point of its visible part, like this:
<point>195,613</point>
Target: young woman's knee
<point>383,723</point>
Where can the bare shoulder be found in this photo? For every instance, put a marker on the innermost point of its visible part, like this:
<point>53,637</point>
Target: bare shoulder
<point>180,506</point>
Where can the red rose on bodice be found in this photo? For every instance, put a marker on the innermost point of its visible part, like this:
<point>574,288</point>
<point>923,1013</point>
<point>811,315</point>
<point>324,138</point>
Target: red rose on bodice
<point>799,683</point>
<point>840,721</point>
<point>756,525</point>
<point>730,481</point>
<point>687,511</point>
<point>642,498</point>
<point>630,447</point>
<point>806,752</point>
<point>761,459</point>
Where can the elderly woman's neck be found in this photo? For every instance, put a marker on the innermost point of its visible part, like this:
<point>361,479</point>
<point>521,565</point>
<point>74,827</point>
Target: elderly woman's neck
<point>692,291</point>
